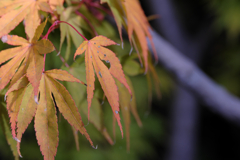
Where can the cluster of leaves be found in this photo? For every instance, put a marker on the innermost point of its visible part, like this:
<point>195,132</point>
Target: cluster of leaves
<point>31,91</point>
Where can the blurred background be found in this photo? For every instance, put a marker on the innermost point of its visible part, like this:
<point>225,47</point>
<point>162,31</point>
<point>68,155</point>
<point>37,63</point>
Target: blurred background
<point>178,126</point>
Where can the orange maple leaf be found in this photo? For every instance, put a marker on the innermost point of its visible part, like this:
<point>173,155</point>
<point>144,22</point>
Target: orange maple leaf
<point>6,130</point>
<point>13,12</point>
<point>65,104</point>
<point>54,3</point>
<point>94,53</point>
<point>22,108</point>
<point>130,14</point>
<point>137,22</point>
<point>28,52</point>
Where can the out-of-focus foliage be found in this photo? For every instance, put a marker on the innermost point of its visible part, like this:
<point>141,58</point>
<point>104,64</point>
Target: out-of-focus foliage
<point>225,66</point>
<point>227,16</point>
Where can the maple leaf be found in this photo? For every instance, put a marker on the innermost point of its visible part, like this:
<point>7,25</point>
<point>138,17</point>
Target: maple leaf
<point>46,121</point>
<point>45,115</point>
<point>125,110</point>
<point>55,3</point>
<point>152,77</point>
<point>94,51</point>
<point>13,104</point>
<point>4,123</point>
<point>136,23</point>
<point>28,52</point>
<point>75,135</point>
<point>96,116</point>
<point>22,108</point>
<point>116,9</point>
<point>127,105</point>
<point>13,12</point>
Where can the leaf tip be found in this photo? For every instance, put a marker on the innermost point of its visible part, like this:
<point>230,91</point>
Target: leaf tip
<point>16,139</point>
<point>145,71</point>
<point>58,53</point>
<point>86,124</point>
<point>20,155</point>
<point>4,38</point>
<point>131,51</point>
<point>36,99</point>
<point>95,147</point>
<point>131,98</point>
<point>74,57</point>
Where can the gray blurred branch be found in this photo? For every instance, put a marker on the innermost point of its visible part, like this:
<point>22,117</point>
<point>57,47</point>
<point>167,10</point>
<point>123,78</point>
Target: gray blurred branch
<point>189,75</point>
<point>184,109</point>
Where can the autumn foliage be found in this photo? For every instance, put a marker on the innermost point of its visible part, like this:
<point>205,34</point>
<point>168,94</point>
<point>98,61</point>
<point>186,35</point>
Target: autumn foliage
<point>33,93</point>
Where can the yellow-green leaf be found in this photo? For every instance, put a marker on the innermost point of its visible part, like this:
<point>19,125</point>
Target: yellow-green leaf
<point>46,122</point>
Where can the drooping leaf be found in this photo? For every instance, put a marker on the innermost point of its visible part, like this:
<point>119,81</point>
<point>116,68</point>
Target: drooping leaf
<point>26,113</point>
<point>94,53</point>
<point>14,100</point>
<point>133,105</point>
<point>149,83</point>
<point>130,14</point>
<point>127,105</point>
<point>124,100</point>
<point>156,80</point>
<point>22,107</point>
<point>4,122</point>
<point>137,22</point>
<point>27,51</point>
<point>13,12</point>
<point>153,83</point>
<point>115,7</point>
<point>96,117</point>
<point>75,135</point>
<point>46,122</point>
<point>63,99</point>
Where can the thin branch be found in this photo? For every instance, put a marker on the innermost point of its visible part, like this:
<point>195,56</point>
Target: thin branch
<point>72,28</point>
<point>190,76</point>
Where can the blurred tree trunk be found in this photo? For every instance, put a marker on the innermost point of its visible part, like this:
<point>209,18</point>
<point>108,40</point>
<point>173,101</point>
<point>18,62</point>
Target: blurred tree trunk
<point>184,113</point>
